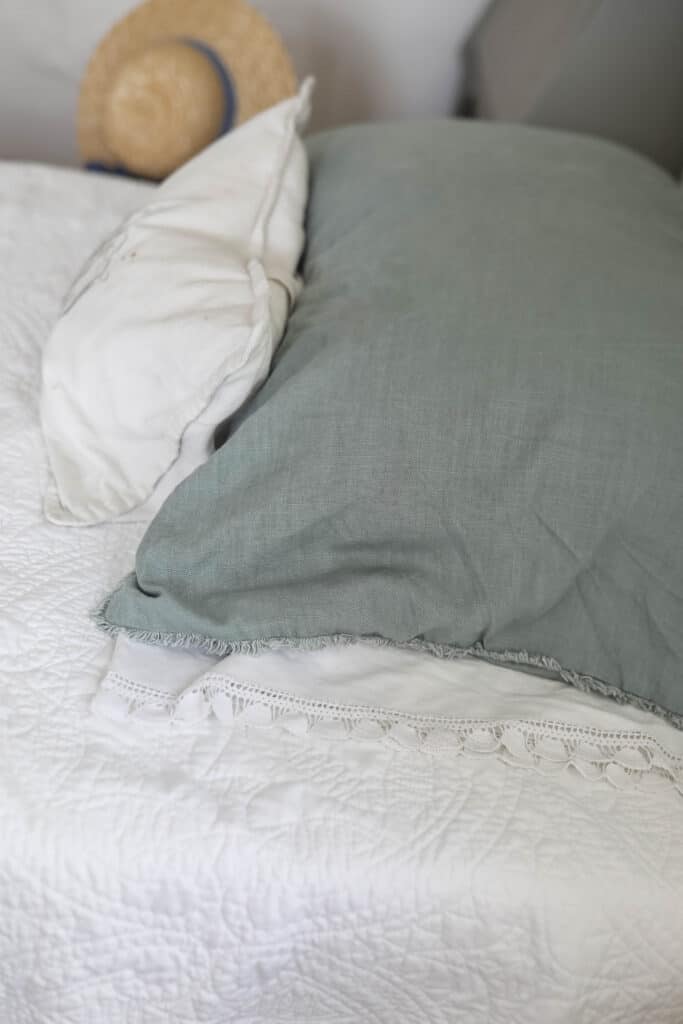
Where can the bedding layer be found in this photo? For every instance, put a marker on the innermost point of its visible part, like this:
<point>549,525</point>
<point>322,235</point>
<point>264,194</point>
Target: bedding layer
<point>449,707</point>
<point>201,875</point>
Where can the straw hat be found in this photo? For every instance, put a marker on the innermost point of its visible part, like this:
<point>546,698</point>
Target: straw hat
<point>173,75</point>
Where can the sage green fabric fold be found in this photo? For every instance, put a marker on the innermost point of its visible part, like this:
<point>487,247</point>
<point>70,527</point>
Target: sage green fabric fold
<point>472,437</point>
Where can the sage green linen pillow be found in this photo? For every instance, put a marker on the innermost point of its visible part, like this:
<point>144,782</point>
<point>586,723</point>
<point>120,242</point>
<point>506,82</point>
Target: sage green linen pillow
<point>472,438</point>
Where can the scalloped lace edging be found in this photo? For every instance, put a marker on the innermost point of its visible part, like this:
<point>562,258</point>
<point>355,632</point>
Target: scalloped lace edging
<point>625,759</point>
<point>222,648</point>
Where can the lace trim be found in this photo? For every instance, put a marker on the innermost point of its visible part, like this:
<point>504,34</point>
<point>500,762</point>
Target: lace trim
<point>222,648</point>
<point>623,758</point>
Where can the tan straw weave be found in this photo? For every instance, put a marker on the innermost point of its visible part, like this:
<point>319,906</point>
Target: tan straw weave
<point>149,101</point>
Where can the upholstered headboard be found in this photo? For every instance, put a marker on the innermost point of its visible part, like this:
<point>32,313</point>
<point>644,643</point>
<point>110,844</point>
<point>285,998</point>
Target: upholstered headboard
<point>611,68</point>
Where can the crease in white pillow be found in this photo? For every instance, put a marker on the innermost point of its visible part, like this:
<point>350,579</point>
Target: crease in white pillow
<point>173,323</point>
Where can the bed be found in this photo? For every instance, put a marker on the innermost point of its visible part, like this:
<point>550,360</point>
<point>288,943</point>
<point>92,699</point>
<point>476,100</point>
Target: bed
<point>197,871</point>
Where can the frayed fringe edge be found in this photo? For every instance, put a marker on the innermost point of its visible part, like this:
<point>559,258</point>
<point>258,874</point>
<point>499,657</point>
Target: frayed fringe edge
<point>542,662</point>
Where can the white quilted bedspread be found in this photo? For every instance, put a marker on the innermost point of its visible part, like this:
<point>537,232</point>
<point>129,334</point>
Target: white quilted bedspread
<point>204,874</point>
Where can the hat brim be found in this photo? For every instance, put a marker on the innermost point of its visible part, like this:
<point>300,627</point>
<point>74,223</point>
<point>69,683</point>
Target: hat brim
<point>253,54</point>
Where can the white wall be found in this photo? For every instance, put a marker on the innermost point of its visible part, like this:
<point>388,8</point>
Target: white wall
<point>372,58</point>
<point>377,58</point>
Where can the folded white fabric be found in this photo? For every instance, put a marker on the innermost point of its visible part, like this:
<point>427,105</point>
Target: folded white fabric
<point>372,692</point>
<point>173,322</point>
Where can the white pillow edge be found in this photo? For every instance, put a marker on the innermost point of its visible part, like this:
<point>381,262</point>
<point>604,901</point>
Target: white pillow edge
<point>53,508</point>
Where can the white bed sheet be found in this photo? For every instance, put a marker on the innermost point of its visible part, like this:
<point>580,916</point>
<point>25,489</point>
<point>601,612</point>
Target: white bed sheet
<point>198,873</point>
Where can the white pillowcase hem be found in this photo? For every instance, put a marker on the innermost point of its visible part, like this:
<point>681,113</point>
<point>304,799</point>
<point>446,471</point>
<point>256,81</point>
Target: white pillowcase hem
<point>409,700</point>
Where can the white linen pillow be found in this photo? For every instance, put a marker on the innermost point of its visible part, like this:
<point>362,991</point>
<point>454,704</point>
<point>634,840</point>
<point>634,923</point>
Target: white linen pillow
<point>173,322</point>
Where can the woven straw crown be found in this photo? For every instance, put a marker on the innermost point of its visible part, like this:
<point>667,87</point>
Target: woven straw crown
<point>171,76</point>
